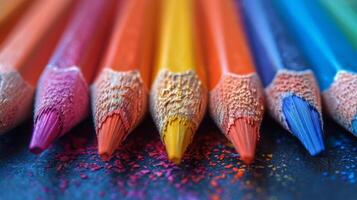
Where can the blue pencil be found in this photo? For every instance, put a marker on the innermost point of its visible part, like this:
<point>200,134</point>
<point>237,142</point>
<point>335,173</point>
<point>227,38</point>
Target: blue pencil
<point>331,56</point>
<point>292,93</point>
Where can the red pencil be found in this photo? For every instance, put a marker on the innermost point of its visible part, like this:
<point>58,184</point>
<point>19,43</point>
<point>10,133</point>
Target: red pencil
<point>236,95</point>
<point>120,93</point>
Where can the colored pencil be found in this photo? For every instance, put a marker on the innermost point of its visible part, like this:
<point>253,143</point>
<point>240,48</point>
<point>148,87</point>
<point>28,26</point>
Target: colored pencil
<point>10,13</point>
<point>23,56</point>
<point>293,97</point>
<point>120,92</point>
<point>179,95</point>
<point>345,13</point>
<point>62,98</point>
<point>330,54</point>
<point>235,93</point>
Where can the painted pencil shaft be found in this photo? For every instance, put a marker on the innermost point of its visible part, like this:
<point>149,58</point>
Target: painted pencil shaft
<point>345,13</point>
<point>62,96</point>
<point>178,95</point>
<point>322,43</point>
<point>331,56</point>
<point>289,86</point>
<point>274,48</point>
<point>10,13</point>
<point>120,92</point>
<point>27,48</point>
<point>7,8</point>
<point>237,112</point>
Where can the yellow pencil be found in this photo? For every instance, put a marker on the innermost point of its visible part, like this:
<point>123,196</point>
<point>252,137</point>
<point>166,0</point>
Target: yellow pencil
<point>179,95</point>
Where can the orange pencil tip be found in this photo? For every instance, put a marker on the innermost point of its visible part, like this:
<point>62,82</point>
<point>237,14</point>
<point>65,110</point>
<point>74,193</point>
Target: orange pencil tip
<point>244,135</point>
<point>110,135</point>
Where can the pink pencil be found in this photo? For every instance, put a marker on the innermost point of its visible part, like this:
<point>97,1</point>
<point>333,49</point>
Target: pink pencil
<point>62,99</point>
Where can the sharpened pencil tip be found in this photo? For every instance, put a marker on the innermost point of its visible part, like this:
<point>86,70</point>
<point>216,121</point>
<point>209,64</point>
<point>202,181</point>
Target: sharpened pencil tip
<point>47,129</point>
<point>304,122</point>
<point>177,137</point>
<point>110,136</point>
<point>244,135</point>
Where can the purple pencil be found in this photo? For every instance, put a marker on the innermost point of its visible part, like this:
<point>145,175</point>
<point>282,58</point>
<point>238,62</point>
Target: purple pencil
<point>62,98</point>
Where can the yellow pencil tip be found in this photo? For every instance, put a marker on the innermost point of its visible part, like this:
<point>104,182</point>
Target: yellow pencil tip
<point>177,137</point>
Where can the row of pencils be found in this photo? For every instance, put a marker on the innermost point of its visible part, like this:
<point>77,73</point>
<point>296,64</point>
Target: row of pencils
<point>175,58</point>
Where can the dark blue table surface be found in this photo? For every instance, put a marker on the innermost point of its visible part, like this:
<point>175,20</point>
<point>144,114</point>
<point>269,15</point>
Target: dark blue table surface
<point>71,169</point>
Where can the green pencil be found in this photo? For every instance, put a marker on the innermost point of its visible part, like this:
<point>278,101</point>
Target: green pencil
<point>344,13</point>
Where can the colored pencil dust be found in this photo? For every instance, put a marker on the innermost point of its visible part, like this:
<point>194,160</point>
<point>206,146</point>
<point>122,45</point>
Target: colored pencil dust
<point>331,56</point>
<point>235,92</point>
<point>293,97</point>
<point>62,95</point>
<point>23,56</point>
<point>120,92</point>
<point>178,95</point>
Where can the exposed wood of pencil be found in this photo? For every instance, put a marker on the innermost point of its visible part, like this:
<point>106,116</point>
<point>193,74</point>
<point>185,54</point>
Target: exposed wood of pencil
<point>10,13</point>
<point>236,96</point>
<point>178,95</point>
<point>121,90</point>
<point>32,35</point>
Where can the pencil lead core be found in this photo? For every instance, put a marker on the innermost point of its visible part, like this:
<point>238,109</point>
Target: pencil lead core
<point>47,129</point>
<point>244,135</point>
<point>304,122</point>
<point>177,136</point>
<point>110,136</point>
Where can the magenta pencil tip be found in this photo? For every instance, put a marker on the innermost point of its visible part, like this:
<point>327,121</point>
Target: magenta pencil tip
<point>47,129</point>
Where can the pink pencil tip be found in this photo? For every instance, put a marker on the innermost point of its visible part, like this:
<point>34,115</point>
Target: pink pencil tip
<point>47,128</point>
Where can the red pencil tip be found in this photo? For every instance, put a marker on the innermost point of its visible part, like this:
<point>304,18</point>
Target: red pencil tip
<point>47,129</point>
<point>110,135</point>
<point>244,135</point>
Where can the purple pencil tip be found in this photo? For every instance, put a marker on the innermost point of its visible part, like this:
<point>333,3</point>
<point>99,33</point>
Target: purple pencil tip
<point>47,129</point>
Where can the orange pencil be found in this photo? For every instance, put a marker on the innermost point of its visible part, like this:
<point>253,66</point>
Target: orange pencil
<point>10,13</point>
<point>236,95</point>
<point>120,92</point>
<point>23,56</point>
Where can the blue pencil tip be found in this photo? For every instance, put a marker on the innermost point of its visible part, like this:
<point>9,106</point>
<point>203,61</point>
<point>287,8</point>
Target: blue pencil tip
<point>304,122</point>
<point>354,126</point>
